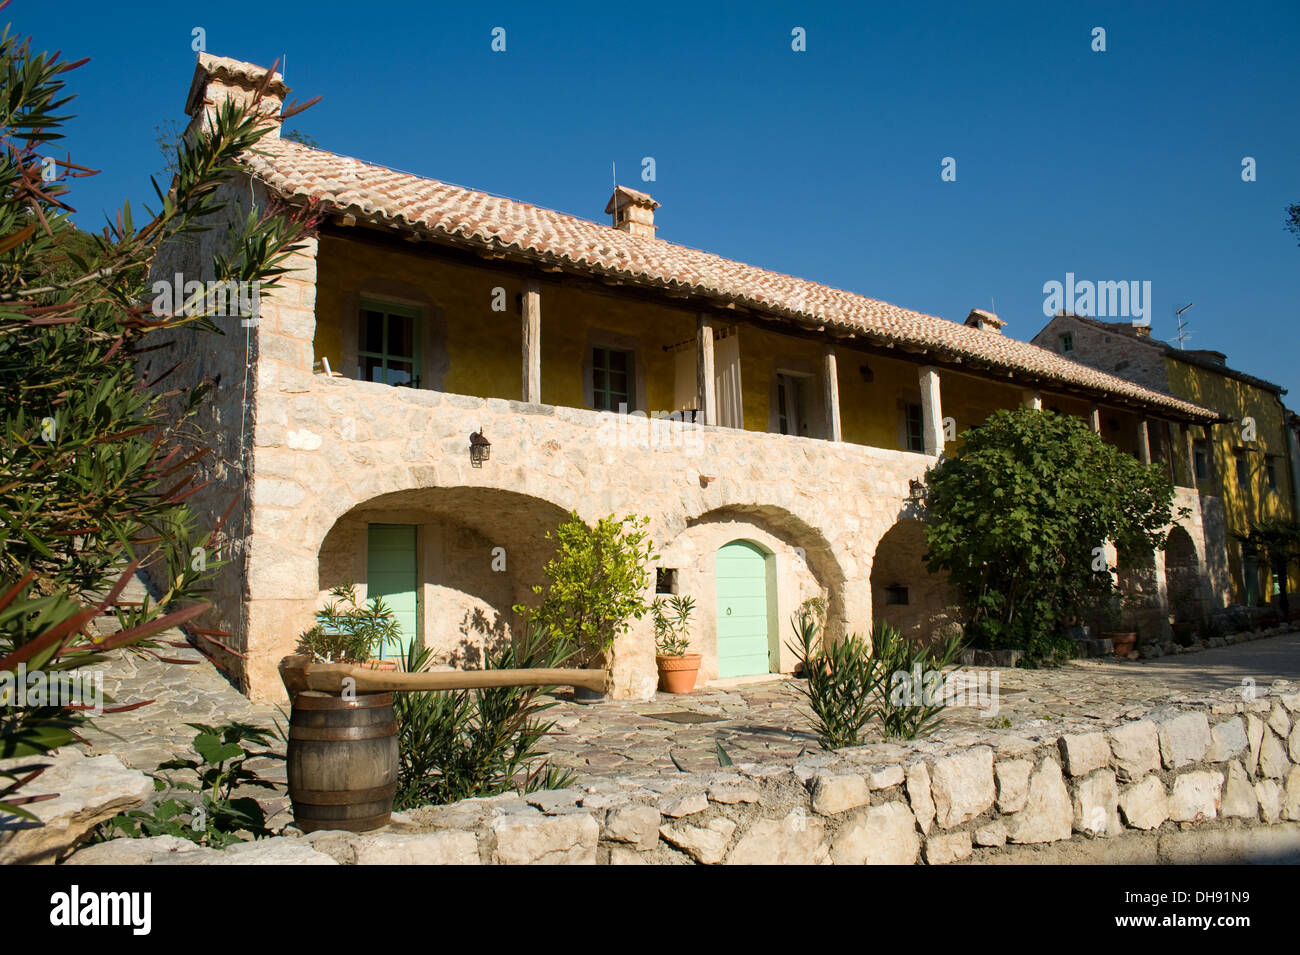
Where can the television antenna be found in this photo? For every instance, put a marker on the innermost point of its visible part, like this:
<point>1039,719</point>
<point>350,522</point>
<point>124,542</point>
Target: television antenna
<point>1183,333</point>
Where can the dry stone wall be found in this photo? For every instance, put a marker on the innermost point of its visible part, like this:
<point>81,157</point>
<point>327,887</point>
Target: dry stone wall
<point>1200,780</point>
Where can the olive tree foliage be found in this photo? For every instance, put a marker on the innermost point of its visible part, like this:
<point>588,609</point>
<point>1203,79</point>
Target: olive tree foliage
<point>1018,518</point>
<point>95,464</point>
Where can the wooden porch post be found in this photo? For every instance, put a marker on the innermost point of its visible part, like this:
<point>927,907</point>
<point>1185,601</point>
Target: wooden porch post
<point>705,384</point>
<point>931,410</point>
<point>532,341</point>
<point>831,383</point>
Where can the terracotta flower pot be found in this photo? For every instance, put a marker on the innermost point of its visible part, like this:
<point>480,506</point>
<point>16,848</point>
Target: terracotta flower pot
<point>677,674</point>
<point>1124,642</point>
<point>380,665</point>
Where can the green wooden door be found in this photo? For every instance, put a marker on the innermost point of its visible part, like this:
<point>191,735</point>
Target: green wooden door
<point>391,574</point>
<point>742,610</point>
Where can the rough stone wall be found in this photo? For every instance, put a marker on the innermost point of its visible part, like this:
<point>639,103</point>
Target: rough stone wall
<point>1113,352</point>
<point>223,424</point>
<point>334,444</point>
<point>1208,780</point>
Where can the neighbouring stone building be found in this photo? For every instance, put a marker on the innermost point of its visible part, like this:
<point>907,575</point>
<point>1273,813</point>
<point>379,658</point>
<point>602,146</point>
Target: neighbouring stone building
<point>423,312</point>
<point>1247,464</point>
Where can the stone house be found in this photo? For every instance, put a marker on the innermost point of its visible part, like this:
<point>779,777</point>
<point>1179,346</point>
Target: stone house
<point>771,428</point>
<point>1247,464</point>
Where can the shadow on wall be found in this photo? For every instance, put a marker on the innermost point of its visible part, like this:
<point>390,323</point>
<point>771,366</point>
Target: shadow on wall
<point>482,636</point>
<point>904,593</point>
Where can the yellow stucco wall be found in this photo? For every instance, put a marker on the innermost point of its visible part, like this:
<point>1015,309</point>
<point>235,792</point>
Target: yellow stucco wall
<point>1258,502</point>
<point>479,347</point>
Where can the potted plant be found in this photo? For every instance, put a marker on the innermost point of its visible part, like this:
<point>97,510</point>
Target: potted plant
<point>1112,616</point>
<point>348,632</point>
<point>677,668</point>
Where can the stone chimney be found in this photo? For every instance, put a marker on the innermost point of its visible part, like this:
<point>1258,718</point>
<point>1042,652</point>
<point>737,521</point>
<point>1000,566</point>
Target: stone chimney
<point>984,321</point>
<point>634,212</point>
<point>219,78</point>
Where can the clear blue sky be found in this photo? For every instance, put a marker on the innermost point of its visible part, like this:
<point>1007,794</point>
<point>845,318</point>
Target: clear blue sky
<point>1122,165</point>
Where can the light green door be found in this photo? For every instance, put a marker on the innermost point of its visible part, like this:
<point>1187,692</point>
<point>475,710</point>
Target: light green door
<point>742,610</point>
<point>391,574</point>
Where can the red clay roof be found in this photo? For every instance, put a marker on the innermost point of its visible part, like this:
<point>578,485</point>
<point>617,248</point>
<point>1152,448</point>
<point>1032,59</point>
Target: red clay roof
<point>468,217</point>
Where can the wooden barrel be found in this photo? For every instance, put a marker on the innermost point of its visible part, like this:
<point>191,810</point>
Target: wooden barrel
<point>342,760</point>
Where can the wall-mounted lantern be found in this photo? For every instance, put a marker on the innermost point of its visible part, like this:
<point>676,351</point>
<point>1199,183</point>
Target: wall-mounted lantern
<point>867,374</point>
<point>480,448</point>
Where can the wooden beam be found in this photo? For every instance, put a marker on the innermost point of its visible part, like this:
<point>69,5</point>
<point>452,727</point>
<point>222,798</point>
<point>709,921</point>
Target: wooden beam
<point>299,675</point>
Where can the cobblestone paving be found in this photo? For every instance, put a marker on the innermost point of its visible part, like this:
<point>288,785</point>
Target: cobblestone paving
<point>752,722</point>
<point>766,721</point>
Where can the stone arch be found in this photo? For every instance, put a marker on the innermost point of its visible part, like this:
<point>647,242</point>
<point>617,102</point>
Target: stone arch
<point>1140,586</point>
<point>478,552</point>
<point>802,564</point>
<point>904,593</point>
<point>1183,578</point>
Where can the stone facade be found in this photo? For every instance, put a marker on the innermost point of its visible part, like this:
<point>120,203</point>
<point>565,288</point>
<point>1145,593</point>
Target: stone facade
<point>305,461</point>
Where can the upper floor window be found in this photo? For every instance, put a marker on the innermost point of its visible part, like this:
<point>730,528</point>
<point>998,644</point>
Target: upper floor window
<point>791,404</point>
<point>611,378</point>
<point>913,428</point>
<point>1243,472</point>
<point>1201,460</point>
<point>388,350</point>
<point>1270,471</point>
<point>1067,343</point>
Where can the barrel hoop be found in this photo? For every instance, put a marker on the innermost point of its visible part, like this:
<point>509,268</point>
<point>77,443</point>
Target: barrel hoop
<point>314,700</point>
<point>343,734</point>
<point>307,824</point>
<point>343,797</point>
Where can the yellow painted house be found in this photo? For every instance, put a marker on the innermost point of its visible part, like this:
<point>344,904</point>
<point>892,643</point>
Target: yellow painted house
<point>424,319</point>
<point>1248,462</point>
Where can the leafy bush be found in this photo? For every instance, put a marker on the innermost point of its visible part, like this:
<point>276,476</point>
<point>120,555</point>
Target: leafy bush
<point>596,584</point>
<point>346,632</point>
<point>672,615</point>
<point>94,468</point>
<point>217,818</point>
<point>455,744</point>
<point>1015,518</point>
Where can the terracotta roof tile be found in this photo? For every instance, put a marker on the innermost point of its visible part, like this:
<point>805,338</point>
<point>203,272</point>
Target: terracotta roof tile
<point>454,212</point>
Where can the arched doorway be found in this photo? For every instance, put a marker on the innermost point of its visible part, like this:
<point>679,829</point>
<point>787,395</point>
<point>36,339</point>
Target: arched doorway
<point>450,561</point>
<point>1183,583</point>
<point>904,593</point>
<point>743,572</point>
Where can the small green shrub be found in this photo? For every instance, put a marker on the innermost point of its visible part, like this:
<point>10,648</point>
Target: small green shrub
<point>850,683</point>
<point>596,584</point>
<point>348,632</point>
<point>842,685</point>
<point>216,817</point>
<point>456,744</point>
<point>906,710</point>
<point>672,617</point>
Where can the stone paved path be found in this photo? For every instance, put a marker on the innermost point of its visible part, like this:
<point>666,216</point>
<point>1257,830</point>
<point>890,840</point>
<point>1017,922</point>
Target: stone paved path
<point>765,721</point>
<point>752,722</point>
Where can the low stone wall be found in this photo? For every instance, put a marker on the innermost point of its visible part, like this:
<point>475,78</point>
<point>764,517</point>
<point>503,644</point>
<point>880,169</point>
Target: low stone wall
<point>1219,766</point>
